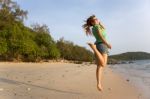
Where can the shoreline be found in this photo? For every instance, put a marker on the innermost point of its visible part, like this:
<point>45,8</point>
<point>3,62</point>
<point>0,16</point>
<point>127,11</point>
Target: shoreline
<point>61,81</point>
<point>136,76</point>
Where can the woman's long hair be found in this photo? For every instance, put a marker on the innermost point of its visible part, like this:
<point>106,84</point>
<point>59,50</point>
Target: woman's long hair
<point>88,24</point>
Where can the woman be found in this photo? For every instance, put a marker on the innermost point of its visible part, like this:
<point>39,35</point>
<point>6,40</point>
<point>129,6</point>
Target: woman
<point>100,47</point>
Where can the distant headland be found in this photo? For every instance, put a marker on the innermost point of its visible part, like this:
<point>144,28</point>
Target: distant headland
<point>128,57</point>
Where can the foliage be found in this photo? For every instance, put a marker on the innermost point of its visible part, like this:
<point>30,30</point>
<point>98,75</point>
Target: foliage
<point>22,43</point>
<point>70,51</point>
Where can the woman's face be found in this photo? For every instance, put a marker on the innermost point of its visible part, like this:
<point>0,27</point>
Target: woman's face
<point>95,21</point>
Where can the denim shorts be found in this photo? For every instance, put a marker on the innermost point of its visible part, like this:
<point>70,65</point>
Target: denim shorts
<point>102,48</point>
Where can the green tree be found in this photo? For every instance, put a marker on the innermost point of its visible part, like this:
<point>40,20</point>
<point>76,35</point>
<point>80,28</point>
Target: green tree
<point>45,42</point>
<point>20,42</point>
<point>70,51</point>
<point>3,47</point>
<point>10,11</point>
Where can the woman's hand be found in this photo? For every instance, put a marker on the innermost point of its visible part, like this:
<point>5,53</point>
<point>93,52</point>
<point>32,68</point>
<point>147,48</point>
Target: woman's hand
<point>109,46</point>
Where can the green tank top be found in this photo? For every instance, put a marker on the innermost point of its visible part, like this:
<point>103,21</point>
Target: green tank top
<point>102,30</point>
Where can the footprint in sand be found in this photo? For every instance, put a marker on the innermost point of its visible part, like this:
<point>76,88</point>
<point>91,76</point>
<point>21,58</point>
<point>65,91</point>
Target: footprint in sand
<point>15,94</point>
<point>127,80</point>
<point>109,89</point>
<point>29,81</point>
<point>66,71</point>
<point>63,75</point>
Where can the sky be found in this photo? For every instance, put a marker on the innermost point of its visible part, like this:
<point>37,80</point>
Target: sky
<point>127,22</point>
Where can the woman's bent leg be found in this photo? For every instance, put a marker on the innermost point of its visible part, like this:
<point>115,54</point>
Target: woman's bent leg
<point>97,53</point>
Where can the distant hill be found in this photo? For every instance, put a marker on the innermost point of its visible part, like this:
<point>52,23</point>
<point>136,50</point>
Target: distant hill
<point>129,56</point>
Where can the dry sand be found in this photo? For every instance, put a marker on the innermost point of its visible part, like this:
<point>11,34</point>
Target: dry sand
<point>61,81</point>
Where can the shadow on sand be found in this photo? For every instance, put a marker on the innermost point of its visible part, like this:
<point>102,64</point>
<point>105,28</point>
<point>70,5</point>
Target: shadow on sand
<point>50,89</point>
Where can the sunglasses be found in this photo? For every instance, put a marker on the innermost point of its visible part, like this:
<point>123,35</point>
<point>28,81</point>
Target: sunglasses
<point>95,19</point>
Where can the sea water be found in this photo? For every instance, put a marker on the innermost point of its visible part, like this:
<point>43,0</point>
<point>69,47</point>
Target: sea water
<point>138,74</point>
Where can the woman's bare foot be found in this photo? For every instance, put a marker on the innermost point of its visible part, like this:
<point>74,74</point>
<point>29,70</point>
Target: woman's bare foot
<point>93,46</point>
<point>99,87</point>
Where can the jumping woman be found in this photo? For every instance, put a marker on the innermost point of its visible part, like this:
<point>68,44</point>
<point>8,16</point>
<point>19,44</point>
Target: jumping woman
<point>100,48</point>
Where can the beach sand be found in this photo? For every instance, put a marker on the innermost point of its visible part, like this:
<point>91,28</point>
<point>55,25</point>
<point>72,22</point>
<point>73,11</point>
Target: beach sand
<point>61,81</point>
